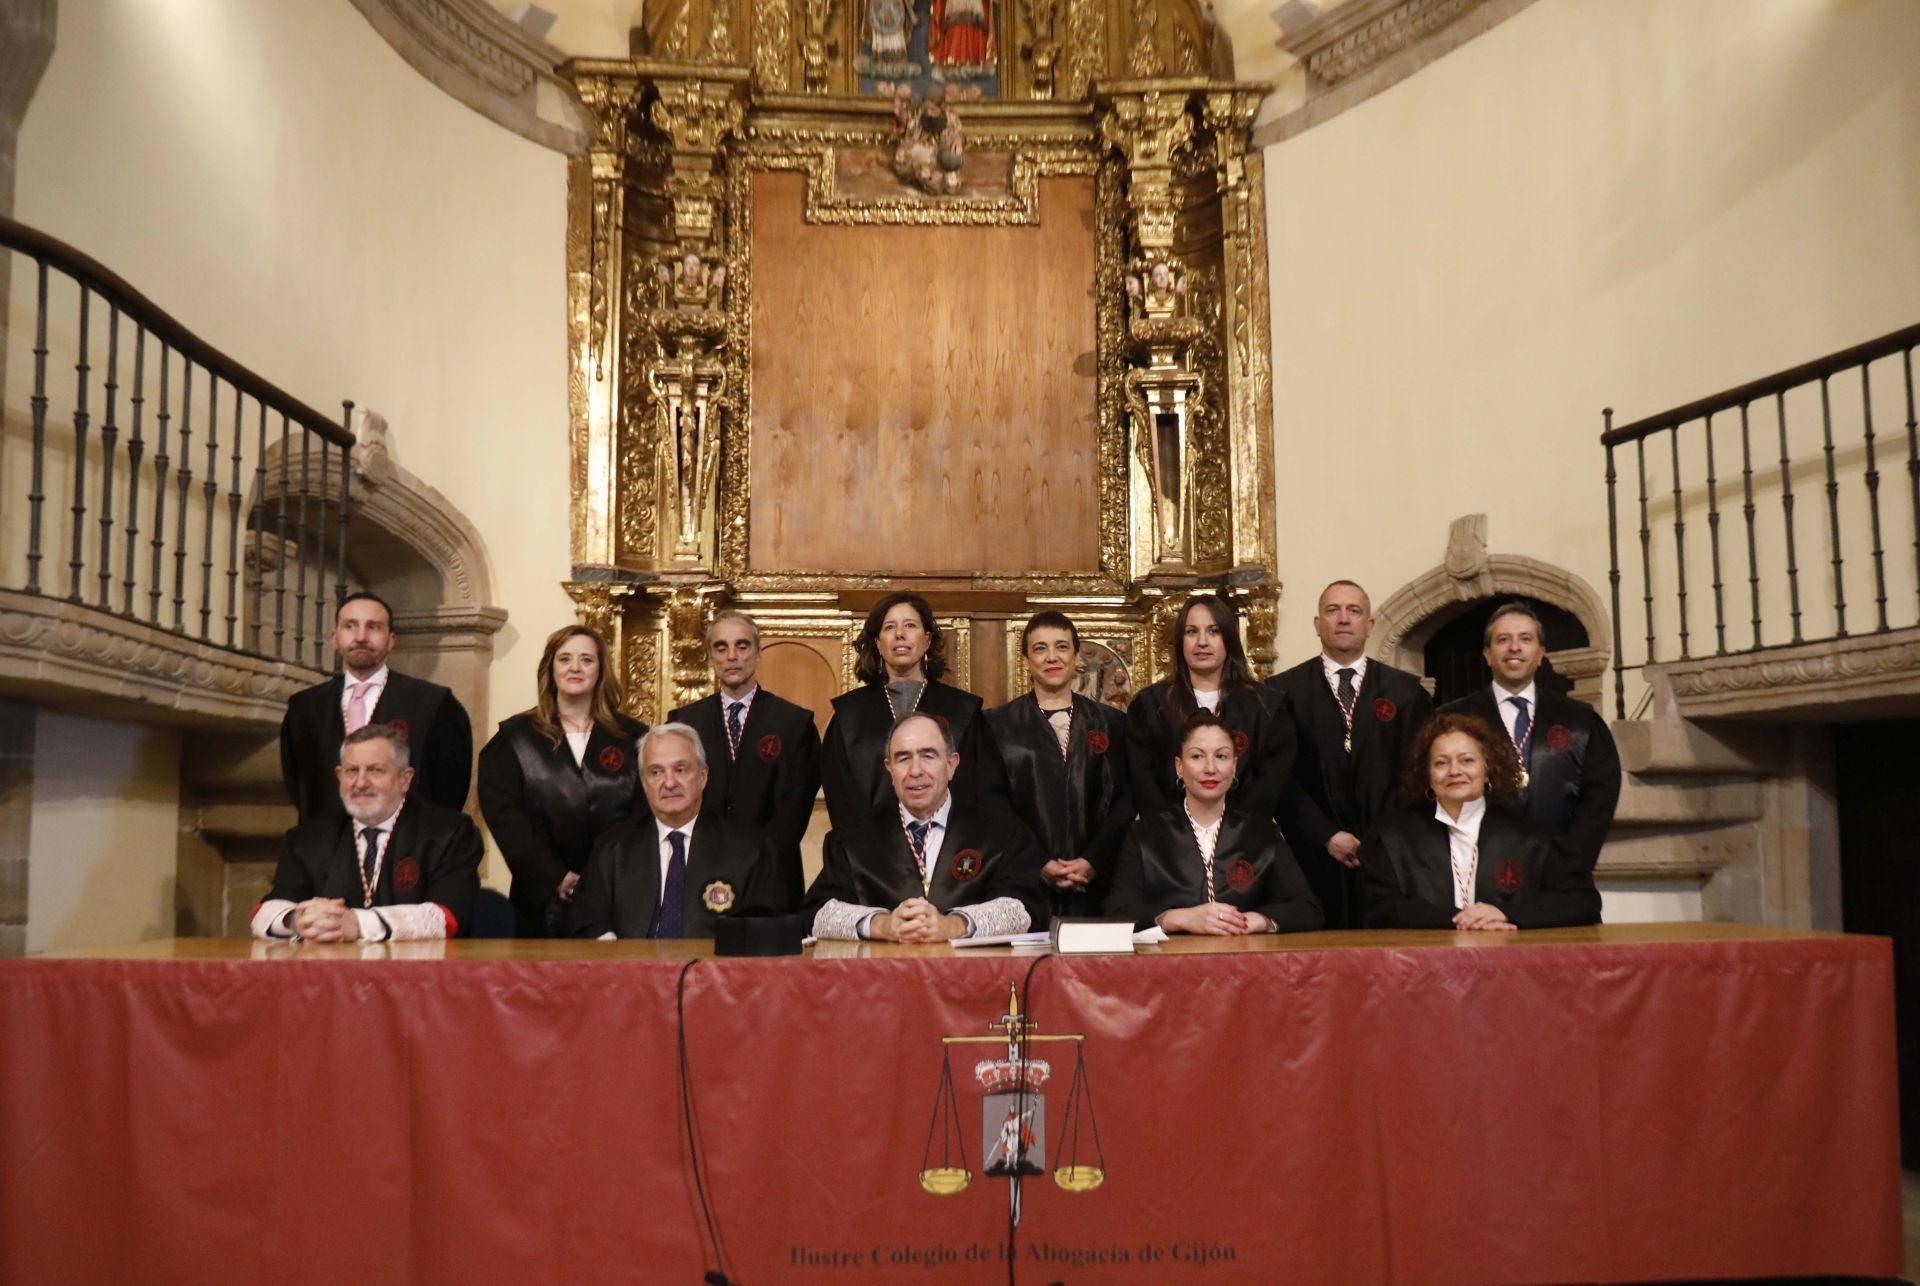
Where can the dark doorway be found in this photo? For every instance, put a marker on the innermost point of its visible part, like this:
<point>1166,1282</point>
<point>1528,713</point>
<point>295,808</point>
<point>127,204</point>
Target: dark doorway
<point>1877,765</point>
<point>1453,655</point>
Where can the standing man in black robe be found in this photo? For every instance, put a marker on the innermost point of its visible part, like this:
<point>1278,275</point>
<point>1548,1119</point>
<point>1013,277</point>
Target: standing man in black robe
<point>1354,721</point>
<point>1066,759</point>
<point>1569,767</point>
<point>763,754</point>
<point>438,734</point>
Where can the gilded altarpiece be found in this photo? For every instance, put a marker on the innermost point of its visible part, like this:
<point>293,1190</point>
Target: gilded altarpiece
<point>997,331</point>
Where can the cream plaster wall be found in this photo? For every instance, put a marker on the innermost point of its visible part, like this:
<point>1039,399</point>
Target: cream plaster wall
<point>271,173</point>
<point>1634,204</point>
<point>101,873</point>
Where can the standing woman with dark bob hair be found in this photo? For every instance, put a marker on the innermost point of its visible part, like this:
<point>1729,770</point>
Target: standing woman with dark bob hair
<point>554,777</point>
<point>1210,672</point>
<point>899,659</point>
<point>1461,854</point>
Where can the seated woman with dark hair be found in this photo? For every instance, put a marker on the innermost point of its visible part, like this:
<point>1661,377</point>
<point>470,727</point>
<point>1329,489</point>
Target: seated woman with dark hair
<point>1461,855</point>
<point>900,657</point>
<point>1207,866</point>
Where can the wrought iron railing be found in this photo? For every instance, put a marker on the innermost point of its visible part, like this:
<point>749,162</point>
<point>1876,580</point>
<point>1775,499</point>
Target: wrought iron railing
<point>229,539</point>
<point>1780,411</point>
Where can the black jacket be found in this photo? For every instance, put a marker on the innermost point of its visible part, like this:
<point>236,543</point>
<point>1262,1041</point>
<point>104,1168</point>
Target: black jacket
<point>439,742</point>
<point>620,893</point>
<point>1406,867</point>
<point>1160,870</point>
<point>546,811</point>
<point>433,855</point>
<point>1573,766</point>
<point>1262,737</point>
<point>1077,806</point>
<point>986,854</point>
<point>770,787</point>
<point>856,780</point>
<point>1333,789</point>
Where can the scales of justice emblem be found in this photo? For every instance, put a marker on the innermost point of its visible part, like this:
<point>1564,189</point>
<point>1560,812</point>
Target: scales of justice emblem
<point>1013,1114</point>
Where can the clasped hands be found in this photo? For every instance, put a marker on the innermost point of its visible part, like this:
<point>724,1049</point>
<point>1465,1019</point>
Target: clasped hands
<point>916,920</point>
<point>1071,874</point>
<point>1216,918</point>
<point>1484,915</point>
<point>325,920</point>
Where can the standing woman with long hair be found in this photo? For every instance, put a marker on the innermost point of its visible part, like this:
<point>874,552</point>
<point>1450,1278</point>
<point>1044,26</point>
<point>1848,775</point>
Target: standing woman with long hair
<point>899,659</point>
<point>1066,761</point>
<point>1210,672</point>
<point>556,776</point>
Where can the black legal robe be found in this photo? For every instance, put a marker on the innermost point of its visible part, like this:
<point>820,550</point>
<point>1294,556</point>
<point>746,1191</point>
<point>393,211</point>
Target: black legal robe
<point>770,786</point>
<point>1333,789</point>
<point>1077,806</point>
<point>1572,765</point>
<point>433,855</point>
<point>1406,869</point>
<point>1262,738</point>
<point>852,770</point>
<point>546,811</point>
<point>1160,870</point>
<point>985,854</point>
<point>439,742</point>
<point>620,893</point>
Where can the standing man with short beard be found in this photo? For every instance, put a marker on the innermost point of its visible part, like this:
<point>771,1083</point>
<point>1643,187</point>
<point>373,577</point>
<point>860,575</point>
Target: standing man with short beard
<point>426,715</point>
<point>763,754</point>
<point>1354,720</point>
<point>383,868</point>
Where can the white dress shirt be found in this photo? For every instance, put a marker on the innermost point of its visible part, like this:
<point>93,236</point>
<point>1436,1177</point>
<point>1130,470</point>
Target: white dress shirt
<point>1207,700</point>
<point>1509,712</point>
<point>1463,846</point>
<point>375,683</point>
<point>662,830</point>
<point>1359,667</point>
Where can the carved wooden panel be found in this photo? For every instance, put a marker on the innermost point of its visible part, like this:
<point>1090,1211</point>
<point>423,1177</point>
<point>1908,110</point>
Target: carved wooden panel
<point>924,398</point>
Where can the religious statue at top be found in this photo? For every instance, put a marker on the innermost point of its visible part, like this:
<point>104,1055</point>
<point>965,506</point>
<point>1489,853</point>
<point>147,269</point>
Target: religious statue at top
<point>960,42</point>
<point>931,148</point>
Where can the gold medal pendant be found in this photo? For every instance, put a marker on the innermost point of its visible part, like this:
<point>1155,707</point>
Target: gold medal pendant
<point>1346,743</point>
<point>1526,779</point>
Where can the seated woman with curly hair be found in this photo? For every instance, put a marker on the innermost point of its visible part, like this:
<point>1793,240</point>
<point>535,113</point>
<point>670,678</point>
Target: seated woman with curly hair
<point>1461,855</point>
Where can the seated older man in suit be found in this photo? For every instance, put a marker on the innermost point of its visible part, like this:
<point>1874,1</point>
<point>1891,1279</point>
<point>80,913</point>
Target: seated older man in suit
<point>932,866</point>
<point>389,866</point>
<point>672,871</point>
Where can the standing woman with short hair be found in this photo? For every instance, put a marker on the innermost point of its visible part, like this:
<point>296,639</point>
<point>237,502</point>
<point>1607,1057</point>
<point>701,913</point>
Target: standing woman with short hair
<point>556,776</point>
<point>1066,759</point>
<point>899,659</point>
<point>1210,672</point>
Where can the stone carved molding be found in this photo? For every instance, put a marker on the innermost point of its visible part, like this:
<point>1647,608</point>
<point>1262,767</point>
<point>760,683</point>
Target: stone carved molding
<point>1833,679</point>
<point>474,53</point>
<point>1407,618</point>
<point>1353,37</point>
<point>53,652</point>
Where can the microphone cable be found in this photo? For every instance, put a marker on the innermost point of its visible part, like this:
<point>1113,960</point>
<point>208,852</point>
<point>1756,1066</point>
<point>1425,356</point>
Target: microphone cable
<point>1020,1108</point>
<point>716,1276</point>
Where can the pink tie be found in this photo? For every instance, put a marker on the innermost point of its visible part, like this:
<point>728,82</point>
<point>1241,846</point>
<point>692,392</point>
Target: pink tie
<point>357,708</point>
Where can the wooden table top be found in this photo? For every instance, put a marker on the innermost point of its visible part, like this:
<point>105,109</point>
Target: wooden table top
<point>538,950</point>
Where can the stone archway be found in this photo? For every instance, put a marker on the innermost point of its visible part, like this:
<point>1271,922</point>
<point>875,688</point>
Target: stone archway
<point>1408,618</point>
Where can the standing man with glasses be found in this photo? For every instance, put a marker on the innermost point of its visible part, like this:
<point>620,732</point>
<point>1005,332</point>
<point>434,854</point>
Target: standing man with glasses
<point>1569,768</point>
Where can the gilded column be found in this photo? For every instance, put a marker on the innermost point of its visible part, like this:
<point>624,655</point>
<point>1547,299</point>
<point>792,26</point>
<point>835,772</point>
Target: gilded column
<point>596,194</point>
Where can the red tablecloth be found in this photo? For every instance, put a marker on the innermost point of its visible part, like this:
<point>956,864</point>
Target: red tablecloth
<point>1582,1105</point>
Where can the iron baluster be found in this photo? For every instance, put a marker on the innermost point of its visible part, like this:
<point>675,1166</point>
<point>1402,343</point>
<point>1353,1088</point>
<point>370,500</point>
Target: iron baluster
<point>346,500</point>
<point>135,450</point>
<point>1747,511</point>
<point>280,551</point>
<point>1613,572</point>
<point>82,419</point>
<point>1913,462</point>
<point>233,531</point>
<point>1786,509</point>
<point>183,479</point>
<point>1833,516</point>
<point>160,465</point>
<point>258,521</point>
<point>1679,539</point>
<point>109,443</point>
<point>1873,498</point>
<point>1713,541</point>
<point>1646,543</point>
<point>36,496</point>
<point>300,540</point>
<point>209,497</point>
